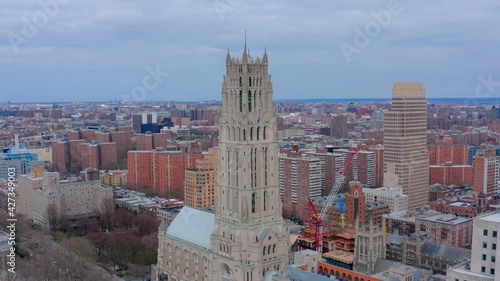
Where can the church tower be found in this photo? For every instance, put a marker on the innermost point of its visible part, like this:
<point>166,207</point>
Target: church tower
<point>250,240</point>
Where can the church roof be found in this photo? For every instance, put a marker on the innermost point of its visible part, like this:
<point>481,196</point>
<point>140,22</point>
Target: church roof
<point>192,225</point>
<point>445,251</point>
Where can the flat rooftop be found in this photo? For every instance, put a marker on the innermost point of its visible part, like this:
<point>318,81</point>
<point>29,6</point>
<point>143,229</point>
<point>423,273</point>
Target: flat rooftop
<point>446,219</point>
<point>492,218</point>
<point>345,257</point>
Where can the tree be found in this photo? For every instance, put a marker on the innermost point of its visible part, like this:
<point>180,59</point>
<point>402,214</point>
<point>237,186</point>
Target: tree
<point>107,212</point>
<point>81,246</point>
<point>123,218</point>
<point>53,216</point>
<point>145,224</point>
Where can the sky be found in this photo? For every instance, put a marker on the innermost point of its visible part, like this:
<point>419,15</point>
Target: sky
<point>145,50</point>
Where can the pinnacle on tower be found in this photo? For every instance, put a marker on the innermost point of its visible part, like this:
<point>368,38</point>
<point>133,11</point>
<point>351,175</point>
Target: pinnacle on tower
<point>245,59</point>
<point>228,57</point>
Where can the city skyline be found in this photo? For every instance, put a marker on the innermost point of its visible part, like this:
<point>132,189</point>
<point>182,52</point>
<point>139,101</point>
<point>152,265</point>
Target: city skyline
<point>188,38</point>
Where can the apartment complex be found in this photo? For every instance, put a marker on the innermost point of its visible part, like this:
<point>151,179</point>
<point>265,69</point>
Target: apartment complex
<point>406,162</point>
<point>70,199</point>
<point>299,179</point>
<point>114,178</point>
<point>364,168</point>
<point>160,171</point>
<point>76,155</point>
<point>150,141</point>
<point>200,186</point>
<point>486,173</point>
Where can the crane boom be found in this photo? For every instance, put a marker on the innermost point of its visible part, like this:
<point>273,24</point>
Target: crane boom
<point>317,218</point>
<point>339,180</point>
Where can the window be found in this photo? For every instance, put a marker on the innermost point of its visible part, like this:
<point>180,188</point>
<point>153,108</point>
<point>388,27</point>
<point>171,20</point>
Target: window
<point>253,202</point>
<point>493,246</point>
<point>492,271</point>
<point>494,234</point>
<point>485,245</point>
<point>484,257</point>
<point>249,101</point>
<point>485,232</point>
<point>483,269</point>
<point>493,259</point>
<point>241,101</point>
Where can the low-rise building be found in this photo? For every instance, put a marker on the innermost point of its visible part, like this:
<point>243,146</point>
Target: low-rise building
<point>392,195</point>
<point>446,229</point>
<point>114,178</point>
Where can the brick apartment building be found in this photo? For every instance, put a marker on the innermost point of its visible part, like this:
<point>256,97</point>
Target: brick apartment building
<point>160,171</point>
<point>200,186</point>
<point>449,163</point>
<point>151,141</point>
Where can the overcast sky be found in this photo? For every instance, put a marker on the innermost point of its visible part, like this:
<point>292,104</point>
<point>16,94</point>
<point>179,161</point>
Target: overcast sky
<point>92,50</point>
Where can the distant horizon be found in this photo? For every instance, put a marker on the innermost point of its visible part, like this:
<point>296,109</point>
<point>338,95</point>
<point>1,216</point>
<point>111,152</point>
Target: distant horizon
<point>367,99</point>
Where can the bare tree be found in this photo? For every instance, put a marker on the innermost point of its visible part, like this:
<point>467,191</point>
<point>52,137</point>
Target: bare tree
<point>107,212</point>
<point>53,216</point>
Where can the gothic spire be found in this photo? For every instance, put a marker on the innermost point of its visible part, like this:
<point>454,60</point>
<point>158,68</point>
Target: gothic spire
<point>228,57</point>
<point>245,59</point>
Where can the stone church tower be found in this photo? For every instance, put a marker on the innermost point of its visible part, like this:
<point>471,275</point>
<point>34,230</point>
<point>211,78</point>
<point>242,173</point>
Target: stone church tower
<point>250,239</point>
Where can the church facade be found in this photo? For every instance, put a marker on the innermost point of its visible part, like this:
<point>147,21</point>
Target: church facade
<point>245,239</point>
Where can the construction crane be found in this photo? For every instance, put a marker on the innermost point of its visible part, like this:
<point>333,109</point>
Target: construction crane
<point>317,218</point>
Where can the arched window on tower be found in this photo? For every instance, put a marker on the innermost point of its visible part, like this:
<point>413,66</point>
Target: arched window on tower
<point>251,133</point>
<point>264,133</point>
<point>258,132</point>
<point>265,200</point>
<point>249,81</point>
<point>249,101</point>
<point>244,135</point>
<point>253,202</point>
<point>241,101</point>
<point>265,166</point>
<point>241,82</point>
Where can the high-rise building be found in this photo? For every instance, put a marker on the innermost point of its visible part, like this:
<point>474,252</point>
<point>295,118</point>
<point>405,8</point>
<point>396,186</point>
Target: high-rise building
<point>495,113</point>
<point>379,164</point>
<point>299,179</point>
<point>406,162</point>
<point>449,163</point>
<point>160,171</point>
<point>445,152</point>
<point>200,186</point>
<point>246,239</point>
<point>486,173</point>
<point>338,127</point>
<point>151,141</point>
<point>364,168</point>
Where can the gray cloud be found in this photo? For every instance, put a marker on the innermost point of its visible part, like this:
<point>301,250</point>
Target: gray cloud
<point>95,50</point>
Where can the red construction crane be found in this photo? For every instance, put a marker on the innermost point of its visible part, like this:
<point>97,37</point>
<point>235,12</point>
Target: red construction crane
<point>316,218</point>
